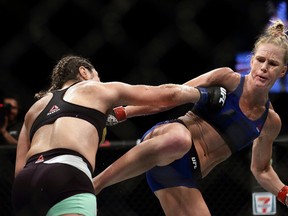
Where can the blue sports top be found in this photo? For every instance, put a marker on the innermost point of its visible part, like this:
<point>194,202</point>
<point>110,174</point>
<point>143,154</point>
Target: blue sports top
<point>237,130</point>
<point>57,108</point>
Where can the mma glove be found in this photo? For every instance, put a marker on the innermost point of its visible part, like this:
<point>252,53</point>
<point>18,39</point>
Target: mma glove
<point>117,115</point>
<point>214,97</point>
<point>283,196</point>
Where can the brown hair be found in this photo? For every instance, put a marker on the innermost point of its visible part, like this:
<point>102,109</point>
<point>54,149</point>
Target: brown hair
<point>66,69</point>
<point>275,34</point>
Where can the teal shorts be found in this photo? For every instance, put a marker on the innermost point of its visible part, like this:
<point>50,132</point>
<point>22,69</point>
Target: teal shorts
<point>83,204</point>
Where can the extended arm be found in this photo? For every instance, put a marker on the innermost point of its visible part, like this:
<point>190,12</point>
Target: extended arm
<point>214,97</point>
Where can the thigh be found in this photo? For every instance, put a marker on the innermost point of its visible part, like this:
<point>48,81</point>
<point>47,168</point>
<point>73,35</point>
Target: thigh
<point>181,172</point>
<point>182,201</point>
<point>79,204</point>
<point>39,186</point>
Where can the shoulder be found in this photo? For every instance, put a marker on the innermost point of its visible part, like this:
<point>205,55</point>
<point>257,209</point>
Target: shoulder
<point>36,108</point>
<point>226,77</point>
<point>95,94</point>
<point>223,70</point>
<point>39,104</point>
<point>88,84</point>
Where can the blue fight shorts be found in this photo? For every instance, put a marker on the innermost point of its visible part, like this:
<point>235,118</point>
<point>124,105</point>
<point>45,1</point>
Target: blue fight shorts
<point>182,172</point>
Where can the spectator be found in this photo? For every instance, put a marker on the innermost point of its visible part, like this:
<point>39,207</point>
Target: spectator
<point>10,121</point>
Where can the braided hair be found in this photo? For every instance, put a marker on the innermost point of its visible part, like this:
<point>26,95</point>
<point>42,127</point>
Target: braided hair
<point>66,69</point>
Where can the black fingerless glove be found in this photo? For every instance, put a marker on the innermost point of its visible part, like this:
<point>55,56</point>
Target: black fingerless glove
<point>214,97</point>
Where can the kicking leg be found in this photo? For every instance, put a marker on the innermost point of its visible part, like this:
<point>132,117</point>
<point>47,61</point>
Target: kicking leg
<point>163,145</point>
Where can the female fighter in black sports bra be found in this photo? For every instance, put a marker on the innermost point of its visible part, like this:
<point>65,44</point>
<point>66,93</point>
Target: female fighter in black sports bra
<point>59,140</point>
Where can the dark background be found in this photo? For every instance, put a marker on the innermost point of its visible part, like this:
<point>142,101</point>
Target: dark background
<point>147,42</point>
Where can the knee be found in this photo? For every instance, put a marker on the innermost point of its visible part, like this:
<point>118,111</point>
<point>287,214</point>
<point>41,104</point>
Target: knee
<point>178,142</point>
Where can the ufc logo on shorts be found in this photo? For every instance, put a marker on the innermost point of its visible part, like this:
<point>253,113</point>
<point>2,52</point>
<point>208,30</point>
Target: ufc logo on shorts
<point>223,96</point>
<point>194,162</point>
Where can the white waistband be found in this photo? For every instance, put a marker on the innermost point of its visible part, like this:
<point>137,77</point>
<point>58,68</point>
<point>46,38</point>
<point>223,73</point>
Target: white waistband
<point>72,160</point>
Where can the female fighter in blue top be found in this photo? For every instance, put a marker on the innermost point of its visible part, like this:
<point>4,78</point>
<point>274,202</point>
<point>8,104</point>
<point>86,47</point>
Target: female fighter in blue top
<point>176,154</point>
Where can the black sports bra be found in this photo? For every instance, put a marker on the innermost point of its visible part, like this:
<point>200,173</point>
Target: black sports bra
<point>57,108</point>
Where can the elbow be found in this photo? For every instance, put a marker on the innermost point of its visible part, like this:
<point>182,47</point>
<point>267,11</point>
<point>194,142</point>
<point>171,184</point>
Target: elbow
<point>257,174</point>
<point>254,171</point>
<point>260,171</point>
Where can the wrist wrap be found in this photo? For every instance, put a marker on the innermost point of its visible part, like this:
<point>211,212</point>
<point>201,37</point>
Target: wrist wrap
<point>120,113</point>
<point>204,95</point>
<point>282,195</point>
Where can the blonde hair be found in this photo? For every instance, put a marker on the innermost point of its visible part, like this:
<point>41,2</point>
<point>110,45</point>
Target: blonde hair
<point>275,34</point>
